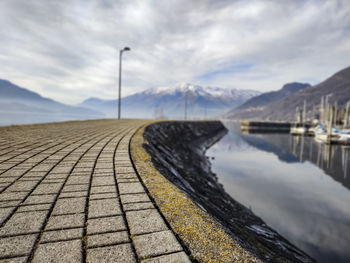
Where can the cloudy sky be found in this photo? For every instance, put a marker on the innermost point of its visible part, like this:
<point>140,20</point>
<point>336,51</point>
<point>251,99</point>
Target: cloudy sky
<point>69,49</point>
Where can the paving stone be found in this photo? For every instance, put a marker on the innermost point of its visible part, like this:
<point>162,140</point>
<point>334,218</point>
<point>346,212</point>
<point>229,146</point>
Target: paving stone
<point>7,180</point>
<point>124,170</point>
<point>39,157</point>
<point>154,244</point>
<point>108,171</point>
<point>56,157</point>
<point>106,180</point>
<point>127,163</point>
<point>179,257</point>
<point>26,165</point>
<point>138,206</point>
<point>105,207</point>
<point>12,173</point>
<point>108,239</point>
<point>42,168</point>
<point>56,176</point>
<point>22,186</point>
<point>6,165</point>
<point>103,195</point>
<point>61,241</point>
<point>32,178</point>
<point>105,224</point>
<point>123,163</point>
<point>124,145</point>
<point>10,196</point>
<point>52,181</point>
<point>122,159</point>
<point>103,189</point>
<point>85,164</point>
<point>47,189</point>
<point>18,245</point>
<point>62,169</point>
<point>119,253</point>
<point>69,205</point>
<point>126,176</point>
<point>5,212</point>
<point>65,221</point>
<point>73,194</point>
<point>132,198</point>
<point>65,251</point>
<point>28,208</point>
<point>86,170</point>
<point>128,180</point>
<point>145,221</point>
<point>130,188</point>
<point>105,165</point>
<point>51,161</point>
<point>39,199</point>
<point>78,179</point>
<point>4,204</point>
<point>64,234</point>
<point>102,174</point>
<point>23,223</point>
<point>72,187</point>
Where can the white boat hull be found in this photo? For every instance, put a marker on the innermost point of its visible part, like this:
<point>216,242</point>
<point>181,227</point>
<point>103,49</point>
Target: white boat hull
<point>298,130</point>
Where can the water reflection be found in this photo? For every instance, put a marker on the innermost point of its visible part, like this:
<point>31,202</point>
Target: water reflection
<point>303,193</point>
<point>332,159</point>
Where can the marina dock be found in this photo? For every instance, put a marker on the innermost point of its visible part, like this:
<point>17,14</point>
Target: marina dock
<point>265,126</point>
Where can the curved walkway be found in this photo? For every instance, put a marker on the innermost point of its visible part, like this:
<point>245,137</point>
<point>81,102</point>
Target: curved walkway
<point>69,193</point>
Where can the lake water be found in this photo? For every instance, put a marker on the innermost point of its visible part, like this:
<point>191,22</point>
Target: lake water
<point>297,186</point>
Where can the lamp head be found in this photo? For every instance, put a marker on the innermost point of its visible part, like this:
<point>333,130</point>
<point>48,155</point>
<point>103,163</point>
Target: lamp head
<point>126,49</point>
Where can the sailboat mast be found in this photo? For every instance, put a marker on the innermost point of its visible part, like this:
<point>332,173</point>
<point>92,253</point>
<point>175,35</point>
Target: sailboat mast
<point>346,117</point>
<point>335,113</point>
<point>304,114</point>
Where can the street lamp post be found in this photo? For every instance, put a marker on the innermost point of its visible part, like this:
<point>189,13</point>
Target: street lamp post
<point>120,77</point>
<point>186,99</point>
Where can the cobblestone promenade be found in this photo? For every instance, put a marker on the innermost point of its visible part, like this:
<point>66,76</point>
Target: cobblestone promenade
<point>69,193</point>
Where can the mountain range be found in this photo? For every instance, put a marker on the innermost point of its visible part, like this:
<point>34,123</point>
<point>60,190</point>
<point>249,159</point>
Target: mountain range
<point>169,102</point>
<point>22,106</point>
<point>250,108</point>
<point>269,97</point>
<point>336,87</point>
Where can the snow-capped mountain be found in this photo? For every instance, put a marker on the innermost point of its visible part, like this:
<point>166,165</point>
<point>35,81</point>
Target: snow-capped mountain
<point>170,102</point>
<point>230,94</point>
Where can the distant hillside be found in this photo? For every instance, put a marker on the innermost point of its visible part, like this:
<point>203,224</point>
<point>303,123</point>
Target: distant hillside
<point>337,86</point>
<point>22,106</point>
<point>170,102</point>
<point>256,104</point>
<point>269,97</point>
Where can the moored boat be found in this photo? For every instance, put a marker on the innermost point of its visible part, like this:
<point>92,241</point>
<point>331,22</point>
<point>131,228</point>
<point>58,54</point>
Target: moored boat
<point>298,130</point>
<point>344,136</point>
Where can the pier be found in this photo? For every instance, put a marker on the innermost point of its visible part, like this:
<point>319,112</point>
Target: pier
<point>86,191</point>
<point>265,126</point>
<point>70,193</point>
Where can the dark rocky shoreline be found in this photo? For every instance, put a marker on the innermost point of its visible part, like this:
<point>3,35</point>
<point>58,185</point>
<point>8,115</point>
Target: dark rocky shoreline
<point>178,152</point>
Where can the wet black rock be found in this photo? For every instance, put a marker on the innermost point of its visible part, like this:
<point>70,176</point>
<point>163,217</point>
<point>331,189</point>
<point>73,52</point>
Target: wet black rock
<point>178,152</point>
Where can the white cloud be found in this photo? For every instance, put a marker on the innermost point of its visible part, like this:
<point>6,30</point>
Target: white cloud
<point>68,49</point>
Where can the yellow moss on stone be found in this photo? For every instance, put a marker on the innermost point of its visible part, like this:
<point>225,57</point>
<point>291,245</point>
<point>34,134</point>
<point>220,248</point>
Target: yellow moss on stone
<point>202,234</point>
